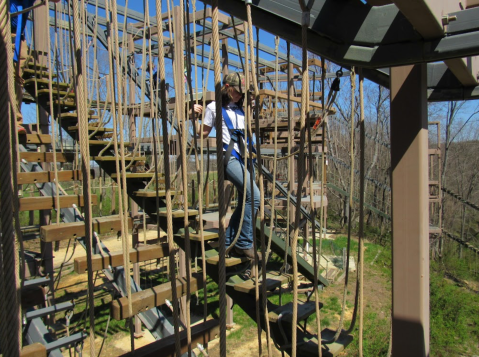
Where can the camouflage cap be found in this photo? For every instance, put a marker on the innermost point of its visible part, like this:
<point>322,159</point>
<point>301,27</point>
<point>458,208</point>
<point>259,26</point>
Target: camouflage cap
<point>236,80</point>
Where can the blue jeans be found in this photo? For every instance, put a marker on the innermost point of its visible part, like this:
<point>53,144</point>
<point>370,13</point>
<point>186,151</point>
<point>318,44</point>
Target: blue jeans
<point>235,174</point>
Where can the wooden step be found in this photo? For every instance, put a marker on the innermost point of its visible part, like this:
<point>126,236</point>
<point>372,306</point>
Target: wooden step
<point>304,311</point>
<point>230,262</point>
<point>113,158</point>
<point>74,116</point>
<point>152,193</point>
<point>273,280</point>
<point>38,139</point>
<point>32,65</point>
<point>310,348</point>
<point>64,104</point>
<point>105,143</point>
<point>63,231</point>
<point>49,203</point>
<point>34,350</point>
<point>179,213</point>
<point>207,235</point>
<point>153,297</point>
<point>91,128</point>
<point>115,259</point>
<point>32,73</point>
<point>55,93</point>
<point>44,84</point>
<point>140,175</point>
<point>166,347</point>
<point>45,157</point>
<point>49,176</point>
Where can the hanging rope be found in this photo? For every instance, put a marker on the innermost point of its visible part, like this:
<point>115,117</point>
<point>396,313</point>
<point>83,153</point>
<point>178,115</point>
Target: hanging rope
<point>85,163</point>
<point>166,151</point>
<point>346,279</point>
<point>249,60</point>
<point>304,109</point>
<point>180,96</point>
<point>123,197</point>
<point>361,210</point>
<point>220,165</point>
<point>199,163</point>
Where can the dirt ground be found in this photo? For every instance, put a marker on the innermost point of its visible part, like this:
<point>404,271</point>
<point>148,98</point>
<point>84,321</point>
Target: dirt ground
<point>377,297</point>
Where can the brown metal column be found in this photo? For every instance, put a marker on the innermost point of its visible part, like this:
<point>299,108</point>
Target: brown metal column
<point>410,213</point>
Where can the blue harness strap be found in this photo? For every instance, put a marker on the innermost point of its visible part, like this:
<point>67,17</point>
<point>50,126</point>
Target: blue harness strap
<point>235,137</point>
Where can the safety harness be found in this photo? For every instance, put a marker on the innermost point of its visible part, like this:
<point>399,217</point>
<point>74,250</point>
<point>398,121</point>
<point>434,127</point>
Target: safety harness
<point>236,136</point>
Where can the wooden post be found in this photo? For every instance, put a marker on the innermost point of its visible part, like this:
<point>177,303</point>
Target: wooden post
<point>410,211</point>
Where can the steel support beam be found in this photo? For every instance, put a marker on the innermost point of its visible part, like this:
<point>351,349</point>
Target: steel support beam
<point>353,33</point>
<point>410,212</point>
<point>429,18</point>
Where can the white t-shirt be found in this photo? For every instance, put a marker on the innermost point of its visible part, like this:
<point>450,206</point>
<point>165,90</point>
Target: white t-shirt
<point>236,116</point>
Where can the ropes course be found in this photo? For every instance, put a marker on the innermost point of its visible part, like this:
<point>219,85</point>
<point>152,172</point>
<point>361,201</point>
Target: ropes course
<point>125,87</point>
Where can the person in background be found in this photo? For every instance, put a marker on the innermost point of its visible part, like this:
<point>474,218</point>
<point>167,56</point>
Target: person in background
<point>235,148</point>
<point>18,22</point>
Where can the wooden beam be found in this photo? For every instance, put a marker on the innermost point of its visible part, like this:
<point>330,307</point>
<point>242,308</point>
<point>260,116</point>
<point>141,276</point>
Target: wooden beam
<point>273,280</point>
<point>115,259</point>
<point>104,142</point>
<point>230,262</point>
<point>47,203</point>
<point>48,176</point>
<point>113,158</point>
<point>272,94</point>
<point>63,231</point>
<point>34,350</point>
<point>202,333</point>
<point>207,235</point>
<point>37,139</point>
<point>152,297</point>
<point>45,157</point>
<point>149,194</point>
<point>179,213</point>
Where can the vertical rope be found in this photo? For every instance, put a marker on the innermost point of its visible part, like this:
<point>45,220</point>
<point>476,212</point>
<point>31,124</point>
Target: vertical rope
<point>361,210</point>
<point>54,146</point>
<point>85,163</point>
<point>9,310</point>
<point>184,171</point>
<point>322,215</point>
<point>123,196</point>
<point>166,150</point>
<point>351,190</point>
<point>221,178</point>
<point>304,111</point>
